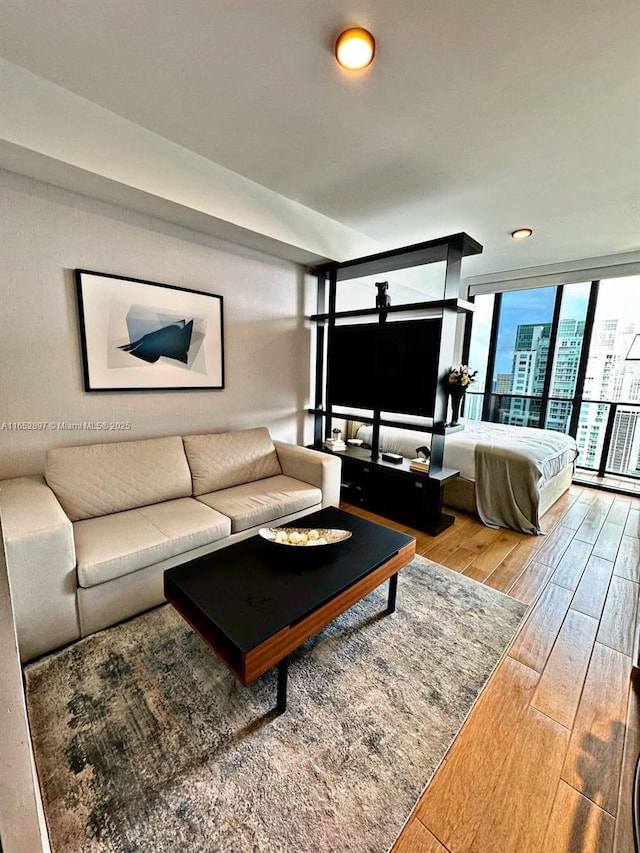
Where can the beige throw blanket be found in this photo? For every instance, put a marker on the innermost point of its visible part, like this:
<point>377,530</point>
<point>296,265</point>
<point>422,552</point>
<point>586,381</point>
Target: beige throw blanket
<point>509,476</point>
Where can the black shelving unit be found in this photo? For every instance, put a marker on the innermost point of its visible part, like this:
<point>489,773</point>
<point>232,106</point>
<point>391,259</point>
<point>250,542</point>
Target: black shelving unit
<point>418,495</point>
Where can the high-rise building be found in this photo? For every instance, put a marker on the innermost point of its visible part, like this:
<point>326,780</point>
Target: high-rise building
<point>503,383</point>
<point>565,373</point>
<point>528,366</point>
<point>611,376</point>
<point>624,451</point>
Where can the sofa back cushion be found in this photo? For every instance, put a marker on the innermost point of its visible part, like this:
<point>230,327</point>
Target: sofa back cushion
<point>226,459</point>
<point>99,479</point>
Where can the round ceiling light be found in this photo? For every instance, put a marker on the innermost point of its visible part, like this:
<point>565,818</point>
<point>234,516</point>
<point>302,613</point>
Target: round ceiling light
<point>355,48</point>
<point>521,233</point>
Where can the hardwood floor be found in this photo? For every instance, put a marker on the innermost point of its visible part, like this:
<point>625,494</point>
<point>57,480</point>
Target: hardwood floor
<point>545,760</point>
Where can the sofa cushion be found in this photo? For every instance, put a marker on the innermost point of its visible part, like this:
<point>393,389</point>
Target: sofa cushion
<point>99,479</point>
<point>115,545</point>
<point>263,501</point>
<point>219,461</point>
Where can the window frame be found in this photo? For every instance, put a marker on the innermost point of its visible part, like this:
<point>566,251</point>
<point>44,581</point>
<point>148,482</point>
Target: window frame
<point>491,400</point>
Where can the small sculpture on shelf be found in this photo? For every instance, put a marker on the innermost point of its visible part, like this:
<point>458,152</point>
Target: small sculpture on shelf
<point>382,297</point>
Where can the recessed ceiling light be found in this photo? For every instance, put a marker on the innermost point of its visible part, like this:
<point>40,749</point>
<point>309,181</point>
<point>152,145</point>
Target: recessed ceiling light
<point>521,233</point>
<point>355,48</point>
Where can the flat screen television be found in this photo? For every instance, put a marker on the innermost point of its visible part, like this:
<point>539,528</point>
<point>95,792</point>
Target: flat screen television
<point>388,366</point>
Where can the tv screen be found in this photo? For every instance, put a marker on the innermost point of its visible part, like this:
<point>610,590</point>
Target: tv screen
<point>388,366</point>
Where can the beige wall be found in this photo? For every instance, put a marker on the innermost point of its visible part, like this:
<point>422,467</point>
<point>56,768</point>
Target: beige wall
<point>47,232</point>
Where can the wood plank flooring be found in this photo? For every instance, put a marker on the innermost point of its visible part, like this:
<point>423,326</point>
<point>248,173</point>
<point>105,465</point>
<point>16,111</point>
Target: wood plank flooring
<point>545,760</point>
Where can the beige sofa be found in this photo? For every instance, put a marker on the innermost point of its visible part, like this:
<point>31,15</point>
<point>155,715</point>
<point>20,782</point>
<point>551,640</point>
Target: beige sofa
<point>87,545</point>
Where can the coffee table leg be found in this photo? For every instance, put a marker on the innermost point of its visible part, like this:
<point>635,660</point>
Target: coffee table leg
<point>393,586</point>
<point>283,671</point>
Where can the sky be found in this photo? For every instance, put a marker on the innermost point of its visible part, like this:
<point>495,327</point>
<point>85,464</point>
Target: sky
<point>518,307</point>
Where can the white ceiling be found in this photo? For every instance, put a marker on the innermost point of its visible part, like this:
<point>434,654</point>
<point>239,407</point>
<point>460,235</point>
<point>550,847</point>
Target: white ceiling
<point>476,117</point>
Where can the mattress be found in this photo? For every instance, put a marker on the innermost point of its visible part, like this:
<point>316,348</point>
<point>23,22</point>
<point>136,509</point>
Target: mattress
<point>553,450</point>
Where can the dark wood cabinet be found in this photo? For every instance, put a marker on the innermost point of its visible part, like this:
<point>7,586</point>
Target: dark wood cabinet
<point>395,491</point>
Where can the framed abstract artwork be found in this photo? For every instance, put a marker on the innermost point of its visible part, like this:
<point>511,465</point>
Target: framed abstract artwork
<point>143,335</point>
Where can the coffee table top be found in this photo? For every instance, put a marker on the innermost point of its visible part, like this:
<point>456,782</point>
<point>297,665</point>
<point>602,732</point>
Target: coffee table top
<point>252,589</point>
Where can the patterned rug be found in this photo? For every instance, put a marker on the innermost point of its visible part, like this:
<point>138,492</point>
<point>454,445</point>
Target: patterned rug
<point>145,742</point>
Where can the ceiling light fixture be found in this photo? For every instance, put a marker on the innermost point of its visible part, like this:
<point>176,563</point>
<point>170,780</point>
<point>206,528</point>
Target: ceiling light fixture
<point>521,233</point>
<point>355,48</point>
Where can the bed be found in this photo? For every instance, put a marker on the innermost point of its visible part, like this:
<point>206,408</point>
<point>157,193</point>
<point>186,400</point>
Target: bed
<point>509,476</point>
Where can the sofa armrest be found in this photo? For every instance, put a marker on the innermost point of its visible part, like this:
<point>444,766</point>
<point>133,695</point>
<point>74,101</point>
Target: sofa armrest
<point>40,554</point>
<point>313,467</point>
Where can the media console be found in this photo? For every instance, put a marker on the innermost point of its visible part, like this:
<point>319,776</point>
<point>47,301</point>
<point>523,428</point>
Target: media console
<point>395,491</point>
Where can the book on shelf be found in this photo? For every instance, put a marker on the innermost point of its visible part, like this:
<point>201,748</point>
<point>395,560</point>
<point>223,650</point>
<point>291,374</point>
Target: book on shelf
<point>419,464</point>
<point>335,444</point>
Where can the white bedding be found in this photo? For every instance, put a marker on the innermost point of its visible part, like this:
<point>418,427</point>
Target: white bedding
<point>459,448</point>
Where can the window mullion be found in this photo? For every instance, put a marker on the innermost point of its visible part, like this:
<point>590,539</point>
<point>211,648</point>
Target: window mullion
<point>584,358</point>
<point>487,403</point>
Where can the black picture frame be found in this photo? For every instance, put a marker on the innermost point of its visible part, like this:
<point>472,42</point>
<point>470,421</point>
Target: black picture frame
<point>140,335</point>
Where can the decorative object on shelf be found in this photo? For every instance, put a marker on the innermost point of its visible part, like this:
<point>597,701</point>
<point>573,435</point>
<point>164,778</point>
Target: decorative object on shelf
<point>382,297</point>
<point>305,536</point>
<point>460,378</point>
<point>423,452</point>
<point>337,434</point>
<point>457,396</point>
<point>139,335</point>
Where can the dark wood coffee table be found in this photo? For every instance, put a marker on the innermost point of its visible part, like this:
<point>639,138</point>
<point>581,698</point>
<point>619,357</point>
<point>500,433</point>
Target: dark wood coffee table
<point>255,602</point>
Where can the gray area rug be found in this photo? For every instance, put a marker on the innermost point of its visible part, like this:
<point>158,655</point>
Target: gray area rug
<point>145,742</point>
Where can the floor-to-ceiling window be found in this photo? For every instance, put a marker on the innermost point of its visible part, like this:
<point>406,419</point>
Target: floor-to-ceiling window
<point>566,358</point>
<point>574,301</point>
<point>479,349</point>
<point>609,422</point>
<point>522,354</point>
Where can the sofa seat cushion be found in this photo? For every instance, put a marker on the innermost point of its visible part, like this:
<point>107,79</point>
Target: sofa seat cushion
<point>222,460</point>
<point>263,501</point>
<point>115,545</point>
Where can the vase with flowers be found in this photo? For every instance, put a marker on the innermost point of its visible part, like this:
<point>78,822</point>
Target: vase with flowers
<point>460,378</point>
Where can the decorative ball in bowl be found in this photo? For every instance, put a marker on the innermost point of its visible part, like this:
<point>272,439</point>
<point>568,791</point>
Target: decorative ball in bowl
<point>308,537</point>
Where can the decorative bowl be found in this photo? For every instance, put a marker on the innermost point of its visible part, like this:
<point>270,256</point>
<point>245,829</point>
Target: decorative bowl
<point>297,537</point>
